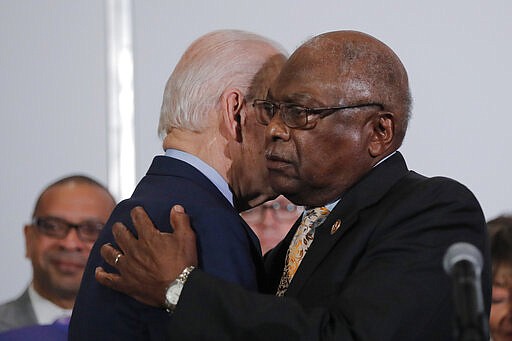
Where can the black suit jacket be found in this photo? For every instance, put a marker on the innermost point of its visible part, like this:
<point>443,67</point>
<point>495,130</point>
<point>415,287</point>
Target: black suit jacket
<point>227,248</point>
<point>379,276</point>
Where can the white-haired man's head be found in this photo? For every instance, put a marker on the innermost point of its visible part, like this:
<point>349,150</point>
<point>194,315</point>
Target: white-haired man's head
<point>214,62</point>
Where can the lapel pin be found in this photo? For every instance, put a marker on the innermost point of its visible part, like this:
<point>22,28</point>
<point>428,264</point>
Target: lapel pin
<point>335,226</point>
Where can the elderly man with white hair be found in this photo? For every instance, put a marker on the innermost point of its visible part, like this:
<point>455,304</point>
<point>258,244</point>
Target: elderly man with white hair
<point>213,165</point>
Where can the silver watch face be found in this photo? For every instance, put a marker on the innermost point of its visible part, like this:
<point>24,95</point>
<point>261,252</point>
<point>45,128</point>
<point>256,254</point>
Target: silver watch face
<point>173,293</point>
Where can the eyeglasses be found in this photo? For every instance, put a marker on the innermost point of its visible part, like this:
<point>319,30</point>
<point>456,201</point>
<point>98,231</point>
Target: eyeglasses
<point>282,213</point>
<point>87,231</point>
<point>296,116</point>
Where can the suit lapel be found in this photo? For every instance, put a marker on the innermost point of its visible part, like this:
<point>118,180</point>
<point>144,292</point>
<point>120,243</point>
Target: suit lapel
<point>21,312</point>
<point>324,241</point>
<point>344,216</point>
<point>252,236</point>
<point>257,257</point>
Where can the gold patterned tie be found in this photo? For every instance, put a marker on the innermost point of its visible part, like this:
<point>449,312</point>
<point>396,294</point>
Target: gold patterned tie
<point>300,243</point>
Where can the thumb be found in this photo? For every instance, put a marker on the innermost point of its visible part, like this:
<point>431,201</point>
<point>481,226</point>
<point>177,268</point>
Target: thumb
<point>184,236</point>
<point>180,221</point>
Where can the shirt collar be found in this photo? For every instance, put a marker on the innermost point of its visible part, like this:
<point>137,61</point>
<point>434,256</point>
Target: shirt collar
<point>46,312</point>
<point>384,159</point>
<point>205,169</point>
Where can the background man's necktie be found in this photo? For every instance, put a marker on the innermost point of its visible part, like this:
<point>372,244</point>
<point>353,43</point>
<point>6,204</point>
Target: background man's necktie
<point>300,243</point>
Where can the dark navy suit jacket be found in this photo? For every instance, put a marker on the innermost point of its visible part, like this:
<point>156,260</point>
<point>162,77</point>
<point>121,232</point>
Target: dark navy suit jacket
<point>227,248</point>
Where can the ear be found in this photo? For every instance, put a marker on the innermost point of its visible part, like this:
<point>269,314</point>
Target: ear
<point>232,104</point>
<point>383,133</point>
<point>29,236</point>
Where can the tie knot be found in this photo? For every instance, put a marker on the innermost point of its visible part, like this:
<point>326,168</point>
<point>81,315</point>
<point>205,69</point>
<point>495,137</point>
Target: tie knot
<point>315,216</point>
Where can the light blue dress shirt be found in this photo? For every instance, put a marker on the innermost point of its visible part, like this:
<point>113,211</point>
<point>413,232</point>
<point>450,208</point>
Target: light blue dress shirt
<point>205,169</point>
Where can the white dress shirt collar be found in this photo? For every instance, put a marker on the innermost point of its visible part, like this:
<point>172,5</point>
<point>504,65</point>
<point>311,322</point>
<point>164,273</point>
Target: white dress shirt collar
<point>46,311</point>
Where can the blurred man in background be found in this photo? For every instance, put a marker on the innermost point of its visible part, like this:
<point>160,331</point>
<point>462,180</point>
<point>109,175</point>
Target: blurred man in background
<point>272,220</point>
<point>66,221</point>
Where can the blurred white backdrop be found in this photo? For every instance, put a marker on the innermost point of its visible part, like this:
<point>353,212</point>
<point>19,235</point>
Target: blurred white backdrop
<point>53,99</point>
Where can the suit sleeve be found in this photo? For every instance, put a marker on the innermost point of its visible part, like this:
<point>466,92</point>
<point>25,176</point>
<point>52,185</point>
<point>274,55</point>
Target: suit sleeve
<point>101,313</point>
<point>397,289</point>
<point>224,247</point>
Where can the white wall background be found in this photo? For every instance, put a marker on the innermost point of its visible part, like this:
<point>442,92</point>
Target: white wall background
<point>53,87</point>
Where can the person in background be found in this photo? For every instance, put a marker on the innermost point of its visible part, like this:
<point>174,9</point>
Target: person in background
<point>272,220</point>
<point>498,223</point>
<point>500,321</point>
<point>68,217</point>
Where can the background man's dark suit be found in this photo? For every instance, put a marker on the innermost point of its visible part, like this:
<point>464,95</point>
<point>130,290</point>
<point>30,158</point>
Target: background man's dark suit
<point>227,249</point>
<point>378,277</point>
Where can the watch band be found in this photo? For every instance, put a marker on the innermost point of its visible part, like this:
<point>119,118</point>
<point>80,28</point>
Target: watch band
<point>173,291</point>
<point>183,276</point>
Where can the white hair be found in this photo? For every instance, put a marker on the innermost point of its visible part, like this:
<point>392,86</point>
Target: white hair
<point>211,64</point>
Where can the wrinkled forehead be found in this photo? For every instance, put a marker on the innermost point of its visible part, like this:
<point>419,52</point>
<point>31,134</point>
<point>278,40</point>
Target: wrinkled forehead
<point>324,69</point>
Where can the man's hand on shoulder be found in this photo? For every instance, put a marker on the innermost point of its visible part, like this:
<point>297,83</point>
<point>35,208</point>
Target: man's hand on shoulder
<point>148,265</point>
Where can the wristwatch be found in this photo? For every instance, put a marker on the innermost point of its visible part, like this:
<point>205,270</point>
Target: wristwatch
<point>173,292</point>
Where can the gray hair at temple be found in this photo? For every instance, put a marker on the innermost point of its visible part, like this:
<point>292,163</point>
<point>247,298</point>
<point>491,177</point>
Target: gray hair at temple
<point>211,64</point>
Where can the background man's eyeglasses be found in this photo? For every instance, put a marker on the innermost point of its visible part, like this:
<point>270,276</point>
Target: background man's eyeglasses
<point>280,212</point>
<point>88,231</point>
<point>296,116</point>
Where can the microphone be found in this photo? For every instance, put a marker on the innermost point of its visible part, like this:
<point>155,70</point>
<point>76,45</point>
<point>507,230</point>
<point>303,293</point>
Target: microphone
<point>463,262</point>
